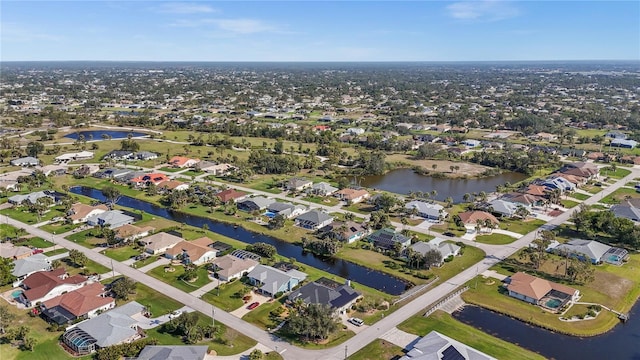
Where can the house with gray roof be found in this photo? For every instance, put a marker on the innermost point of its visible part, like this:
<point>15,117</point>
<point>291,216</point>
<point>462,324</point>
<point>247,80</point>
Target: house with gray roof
<point>323,291</point>
<point>146,155</point>
<point>256,203</point>
<point>313,219</point>
<point>33,197</point>
<point>272,281</point>
<point>502,207</point>
<point>25,161</point>
<point>430,211</point>
<point>626,210</point>
<point>29,265</point>
<point>287,210</point>
<point>387,239</point>
<point>624,143</point>
<point>435,346</point>
<point>111,328</point>
<point>322,189</point>
<point>173,352</point>
<point>298,184</point>
<point>595,251</point>
<point>446,249</point>
<point>112,219</point>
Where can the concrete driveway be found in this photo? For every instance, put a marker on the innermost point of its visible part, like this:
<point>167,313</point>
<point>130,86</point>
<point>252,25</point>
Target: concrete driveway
<point>356,329</point>
<point>150,323</point>
<point>242,311</point>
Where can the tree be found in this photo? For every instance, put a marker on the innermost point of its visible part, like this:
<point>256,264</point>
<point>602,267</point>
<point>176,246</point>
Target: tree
<point>263,249</point>
<point>28,343</point>
<point>34,148</point>
<point>313,322</point>
<point>385,202</point>
<point>123,288</point>
<point>78,258</point>
<point>112,195</point>
<point>6,267</point>
<point>6,318</point>
<point>432,258</point>
<point>256,355</point>
<point>276,222</point>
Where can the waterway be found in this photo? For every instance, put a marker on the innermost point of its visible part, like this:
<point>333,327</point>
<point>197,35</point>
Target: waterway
<point>621,343</point>
<point>403,181</point>
<point>97,134</point>
<point>345,269</point>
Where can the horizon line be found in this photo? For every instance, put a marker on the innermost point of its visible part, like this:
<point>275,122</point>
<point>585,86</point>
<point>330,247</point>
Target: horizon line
<point>325,61</point>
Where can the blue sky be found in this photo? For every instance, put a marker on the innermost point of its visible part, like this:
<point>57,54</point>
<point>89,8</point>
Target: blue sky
<point>480,30</point>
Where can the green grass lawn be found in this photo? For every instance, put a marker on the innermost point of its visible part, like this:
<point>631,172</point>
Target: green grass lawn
<point>9,231</point>
<point>85,238</point>
<point>617,196</point>
<point>378,349</point>
<point>495,239</point>
<point>226,300</point>
<point>21,214</point>
<point>260,315</point>
<point>159,304</point>
<point>91,267</point>
<point>519,226</point>
<point>569,203</point>
<point>192,173</point>
<point>144,262</point>
<point>56,252</point>
<point>170,169</point>
<point>37,242</point>
<point>478,339</point>
<point>172,278</point>
<point>580,196</point>
<point>121,253</point>
<point>327,201</point>
<point>59,227</point>
<point>619,172</point>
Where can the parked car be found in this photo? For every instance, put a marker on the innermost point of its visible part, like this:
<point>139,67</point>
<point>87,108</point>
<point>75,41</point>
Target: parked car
<point>449,233</point>
<point>356,321</point>
<point>37,251</point>
<point>253,305</point>
<point>175,314</point>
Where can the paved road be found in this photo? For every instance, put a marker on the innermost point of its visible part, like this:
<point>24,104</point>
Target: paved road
<point>494,255</point>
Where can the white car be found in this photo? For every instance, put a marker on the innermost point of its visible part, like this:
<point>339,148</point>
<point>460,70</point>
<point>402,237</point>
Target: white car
<point>175,314</point>
<point>356,321</point>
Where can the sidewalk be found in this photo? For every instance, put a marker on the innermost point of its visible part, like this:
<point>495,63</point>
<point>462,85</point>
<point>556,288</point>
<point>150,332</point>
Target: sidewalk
<point>160,262</point>
<point>205,289</point>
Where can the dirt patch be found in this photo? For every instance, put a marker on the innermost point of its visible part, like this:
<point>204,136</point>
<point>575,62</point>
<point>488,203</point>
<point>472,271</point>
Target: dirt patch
<point>614,286</point>
<point>442,166</point>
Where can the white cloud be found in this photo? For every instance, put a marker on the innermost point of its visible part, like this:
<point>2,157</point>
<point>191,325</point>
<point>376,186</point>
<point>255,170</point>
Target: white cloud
<point>244,26</point>
<point>185,8</point>
<point>13,32</point>
<point>484,10</point>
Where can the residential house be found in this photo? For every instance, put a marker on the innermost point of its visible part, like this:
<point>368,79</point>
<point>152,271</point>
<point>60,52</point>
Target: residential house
<point>470,143</point>
<point>119,155</point>
<point>217,169</point>
<point>220,248</point>
<point>113,327</point>
<point>615,135</point>
<point>24,267</point>
<point>10,251</point>
<point>170,185</point>
<point>111,219</point>
<point>628,209</point>
<point>33,197</point>
<point>9,185</point>
<point>53,170</point>
<point>86,302</point>
<point>112,173</point>
<point>25,161</point>
<point>230,194</point>
<point>173,352</point>
<point>546,136</point>
<point>183,162</point>
<point>526,200</point>
<point>272,281</point>
<point>322,189</point>
<point>352,196</point>
<point>79,212</point>
<point>446,249</point>
<point>347,231</point>
<point>148,179</point>
<point>44,285</point>
<point>624,143</point>
<point>435,346</point>
<point>196,252</point>
<point>82,155</point>
<point>298,184</point>
<point>429,211</point>
<point>559,183</point>
<point>160,242</point>
<point>475,219</point>
<point>146,155</point>
<point>594,251</point>
<point>502,207</point>
<point>130,232</point>
<point>387,239</point>
<point>340,297</point>
<point>287,210</point>
<point>537,291</point>
<point>313,219</point>
<point>582,169</point>
<point>229,267</point>
<point>256,203</point>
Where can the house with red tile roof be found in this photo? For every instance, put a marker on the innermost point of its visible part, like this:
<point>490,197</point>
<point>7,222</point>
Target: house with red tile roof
<point>537,291</point>
<point>230,194</point>
<point>85,302</point>
<point>352,196</point>
<point>183,162</point>
<point>44,285</point>
<point>147,179</point>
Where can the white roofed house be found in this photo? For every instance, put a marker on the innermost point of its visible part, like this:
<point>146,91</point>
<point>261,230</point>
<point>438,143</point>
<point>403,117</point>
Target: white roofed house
<point>430,211</point>
<point>82,155</point>
<point>287,210</point>
<point>160,242</point>
<point>322,189</point>
<point>446,249</point>
<point>313,220</point>
<point>298,184</point>
<point>112,219</point>
<point>229,267</point>
<point>435,346</point>
<point>25,161</point>
<point>79,213</point>
<point>24,267</point>
<point>272,281</point>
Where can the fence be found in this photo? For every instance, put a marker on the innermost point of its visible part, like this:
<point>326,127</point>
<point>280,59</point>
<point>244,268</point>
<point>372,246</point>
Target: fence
<point>444,300</point>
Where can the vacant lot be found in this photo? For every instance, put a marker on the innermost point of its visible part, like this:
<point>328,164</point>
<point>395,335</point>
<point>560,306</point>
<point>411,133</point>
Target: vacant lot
<point>442,166</point>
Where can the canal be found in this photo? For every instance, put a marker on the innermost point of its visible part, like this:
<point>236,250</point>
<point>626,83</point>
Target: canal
<point>621,343</point>
<point>403,181</point>
<point>98,134</point>
<point>345,269</point>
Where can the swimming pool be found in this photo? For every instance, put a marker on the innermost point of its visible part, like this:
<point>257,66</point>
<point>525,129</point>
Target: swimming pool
<point>553,303</point>
<point>16,294</point>
<point>270,214</point>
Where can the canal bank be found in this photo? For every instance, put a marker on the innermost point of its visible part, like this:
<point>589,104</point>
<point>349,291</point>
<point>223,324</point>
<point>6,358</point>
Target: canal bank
<point>619,343</point>
<point>345,269</point>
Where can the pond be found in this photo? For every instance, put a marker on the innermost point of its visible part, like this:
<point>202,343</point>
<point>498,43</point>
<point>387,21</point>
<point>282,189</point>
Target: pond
<point>345,269</point>
<point>619,343</point>
<point>101,134</point>
<point>403,181</point>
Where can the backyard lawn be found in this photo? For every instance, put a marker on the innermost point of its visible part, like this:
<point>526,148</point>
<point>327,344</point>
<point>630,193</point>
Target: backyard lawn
<point>495,239</point>
<point>478,339</point>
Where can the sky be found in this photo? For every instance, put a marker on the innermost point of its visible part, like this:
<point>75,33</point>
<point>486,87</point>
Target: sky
<point>479,30</point>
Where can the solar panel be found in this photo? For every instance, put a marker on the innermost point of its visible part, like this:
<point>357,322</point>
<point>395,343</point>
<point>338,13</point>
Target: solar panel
<point>451,353</point>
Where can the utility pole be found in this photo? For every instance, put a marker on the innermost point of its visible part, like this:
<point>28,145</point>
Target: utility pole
<point>345,352</point>
<point>113,272</point>
<point>213,316</point>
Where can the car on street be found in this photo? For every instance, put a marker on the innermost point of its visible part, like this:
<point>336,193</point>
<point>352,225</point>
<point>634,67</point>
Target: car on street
<point>253,305</point>
<point>175,314</point>
<point>356,321</point>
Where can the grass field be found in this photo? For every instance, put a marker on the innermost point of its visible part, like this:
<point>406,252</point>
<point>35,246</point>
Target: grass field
<point>495,239</point>
<point>378,349</point>
<point>478,339</point>
<point>617,196</point>
<point>121,253</point>
<point>37,243</point>
<point>522,227</point>
<point>569,203</point>
<point>618,173</point>
<point>226,299</point>
<point>172,277</point>
<point>580,196</point>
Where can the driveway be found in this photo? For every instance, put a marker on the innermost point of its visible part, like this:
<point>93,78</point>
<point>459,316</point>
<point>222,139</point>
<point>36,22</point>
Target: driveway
<point>150,323</point>
<point>242,311</point>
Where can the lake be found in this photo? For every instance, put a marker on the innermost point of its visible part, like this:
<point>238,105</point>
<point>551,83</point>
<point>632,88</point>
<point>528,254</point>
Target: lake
<point>98,134</point>
<point>345,269</point>
<point>403,181</point>
<point>621,343</point>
